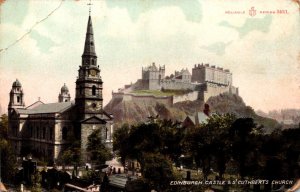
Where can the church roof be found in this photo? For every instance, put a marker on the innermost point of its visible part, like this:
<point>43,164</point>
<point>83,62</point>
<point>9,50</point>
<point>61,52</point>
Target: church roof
<point>89,46</point>
<point>17,83</point>
<point>35,104</point>
<point>64,88</point>
<point>47,108</point>
<point>202,117</point>
<point>192,118</point>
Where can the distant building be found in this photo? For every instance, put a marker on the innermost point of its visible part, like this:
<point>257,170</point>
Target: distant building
<point>194,120</point>
<point>45,130</point>
<point>151,76</point>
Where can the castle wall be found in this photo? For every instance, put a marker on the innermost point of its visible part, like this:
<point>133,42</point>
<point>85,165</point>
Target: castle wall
<point>166,100</point>
<point>234,90</point>
<point>172,84</point>
<point>154,84</point>
<point>215,89</point>
<point>186,97</point>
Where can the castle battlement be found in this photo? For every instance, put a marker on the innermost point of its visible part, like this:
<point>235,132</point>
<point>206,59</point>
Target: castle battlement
<point>204,82</point>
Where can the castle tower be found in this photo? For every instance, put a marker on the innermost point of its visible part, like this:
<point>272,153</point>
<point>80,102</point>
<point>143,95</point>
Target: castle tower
<point>89,84</point>
<point>16,99</point>
<point>64,95</point>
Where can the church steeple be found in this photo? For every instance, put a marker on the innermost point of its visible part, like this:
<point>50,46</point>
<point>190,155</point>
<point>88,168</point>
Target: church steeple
<point>89,83</point>
<point>89,46</point>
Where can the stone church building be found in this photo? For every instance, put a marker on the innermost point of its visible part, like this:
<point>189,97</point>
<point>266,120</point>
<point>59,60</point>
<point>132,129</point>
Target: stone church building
<point>46,129</point>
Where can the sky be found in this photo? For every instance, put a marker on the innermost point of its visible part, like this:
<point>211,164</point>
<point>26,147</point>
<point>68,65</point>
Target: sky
<point>42,42</point>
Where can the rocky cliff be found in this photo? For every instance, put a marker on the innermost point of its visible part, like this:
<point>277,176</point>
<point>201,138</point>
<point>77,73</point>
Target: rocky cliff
<point>132,112</point>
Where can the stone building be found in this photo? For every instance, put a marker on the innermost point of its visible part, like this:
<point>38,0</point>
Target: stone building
<point>151,77</point>
<point>205,73</point>
<point>45,130</point>
<point>180,80</point>
<point>205,81</point>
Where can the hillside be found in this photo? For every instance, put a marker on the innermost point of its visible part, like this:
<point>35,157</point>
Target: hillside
<point>132,112</point>
<point>284,116</point>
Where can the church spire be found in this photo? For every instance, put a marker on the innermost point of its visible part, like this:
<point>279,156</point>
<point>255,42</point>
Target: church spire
<point>89,46</point>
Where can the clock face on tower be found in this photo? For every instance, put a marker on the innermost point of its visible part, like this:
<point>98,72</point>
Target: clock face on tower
<point>93,106</point>
<point>93,72</point>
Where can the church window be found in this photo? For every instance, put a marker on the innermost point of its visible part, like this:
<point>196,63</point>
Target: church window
<point>64,133</point>
<point>92,44</point>
<point>106,133</point>
<point>93,62</point>
<point>94,90</point>
<point>80,90</point>
<point>51,133</point>
<point>18,99</point>
<point>44,132</point>
<point>37,132</point>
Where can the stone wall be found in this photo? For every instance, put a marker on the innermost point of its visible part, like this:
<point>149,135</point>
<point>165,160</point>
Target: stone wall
<point>212,90</point>
<point>166,100</point>
<point>172,84</point>
<point>186,97</point>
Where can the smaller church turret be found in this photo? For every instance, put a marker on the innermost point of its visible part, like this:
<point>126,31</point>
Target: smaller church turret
<point>64,95</point>
<point>16,99</point>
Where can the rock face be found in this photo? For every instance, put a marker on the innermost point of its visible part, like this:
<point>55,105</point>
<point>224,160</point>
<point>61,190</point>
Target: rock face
<point>133,112</point>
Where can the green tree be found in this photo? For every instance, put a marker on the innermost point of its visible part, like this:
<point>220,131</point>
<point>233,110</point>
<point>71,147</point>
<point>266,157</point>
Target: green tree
<point>157,170</point>
<point>98,152</point>
<point>72,155</point>
<point>8,159</point>
<point>36,182</point>
<point>153,145</point>
<point>3,126</point>
<point>120,144</point>
<point>242,142</point>
<point>209,142</point>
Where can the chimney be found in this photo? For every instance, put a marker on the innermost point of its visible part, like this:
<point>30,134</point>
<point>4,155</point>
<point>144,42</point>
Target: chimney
<point>206,109</point>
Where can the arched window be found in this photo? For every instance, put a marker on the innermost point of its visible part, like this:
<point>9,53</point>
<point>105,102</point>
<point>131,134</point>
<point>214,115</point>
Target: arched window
<point>106,133</point>
<point>93,61</point>
<point>94,90</point>
<point>37,132</point>
<point>64,133</point>
<point>50,133</point>
<point>44,132</point>
<point>18,99</point>
<point>80,90</point>
<point>31,131</point>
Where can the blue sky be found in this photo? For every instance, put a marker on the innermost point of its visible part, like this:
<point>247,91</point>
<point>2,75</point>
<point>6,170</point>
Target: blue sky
<point>262,51</point>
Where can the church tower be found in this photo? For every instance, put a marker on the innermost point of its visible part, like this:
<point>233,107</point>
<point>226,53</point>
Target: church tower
<point>64,95</point>
<point>89,83</point>
<point>16,99</point>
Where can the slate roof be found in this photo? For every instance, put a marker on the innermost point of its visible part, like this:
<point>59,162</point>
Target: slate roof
<point>202,117</point>
<point>47,108</point>
<point>193,119</point>
<point>35,104</point>
<point>119,180</point>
